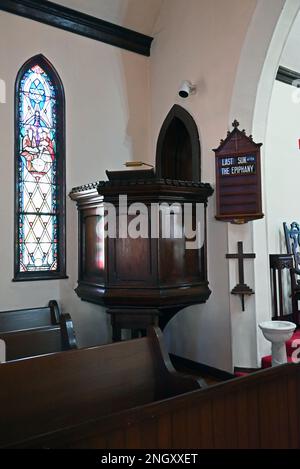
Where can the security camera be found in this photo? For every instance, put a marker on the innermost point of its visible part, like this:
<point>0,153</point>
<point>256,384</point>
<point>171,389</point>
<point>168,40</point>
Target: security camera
<point>186,88</point>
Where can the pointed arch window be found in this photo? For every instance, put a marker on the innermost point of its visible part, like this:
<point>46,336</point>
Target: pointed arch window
<point>40,172</point>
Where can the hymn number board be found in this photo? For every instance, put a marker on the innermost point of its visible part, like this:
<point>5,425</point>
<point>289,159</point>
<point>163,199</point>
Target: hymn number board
<point>237,165</point>
<point>238,178</point>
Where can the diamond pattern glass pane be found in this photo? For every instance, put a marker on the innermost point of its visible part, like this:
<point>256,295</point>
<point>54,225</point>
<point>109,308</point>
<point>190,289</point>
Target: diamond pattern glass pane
<point>37,171</point>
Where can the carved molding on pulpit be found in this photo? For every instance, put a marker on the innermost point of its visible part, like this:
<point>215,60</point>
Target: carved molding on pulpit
<point>94,186</point>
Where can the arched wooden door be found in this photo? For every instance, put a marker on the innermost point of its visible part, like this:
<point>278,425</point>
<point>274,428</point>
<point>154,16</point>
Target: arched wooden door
<point>178,153</point>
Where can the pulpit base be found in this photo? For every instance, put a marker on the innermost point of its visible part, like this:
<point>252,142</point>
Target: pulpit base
<point>137,320</point>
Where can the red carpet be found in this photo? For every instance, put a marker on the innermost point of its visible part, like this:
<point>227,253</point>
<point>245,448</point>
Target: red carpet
<point>240,374</point>
<point>266,362</point>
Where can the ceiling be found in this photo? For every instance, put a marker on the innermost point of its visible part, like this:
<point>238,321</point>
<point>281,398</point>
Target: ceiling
<point>139,15</point>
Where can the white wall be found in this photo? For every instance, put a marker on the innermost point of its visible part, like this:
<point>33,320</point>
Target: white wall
<point>107,123</point>
<point>290,55</point>
<point>282,155</point>
<point>260,57</point>
<point>201,42</point>
<point>282,163</point>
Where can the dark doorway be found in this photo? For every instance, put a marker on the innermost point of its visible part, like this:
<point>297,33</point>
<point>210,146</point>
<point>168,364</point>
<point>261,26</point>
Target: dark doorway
<point>178,154</point>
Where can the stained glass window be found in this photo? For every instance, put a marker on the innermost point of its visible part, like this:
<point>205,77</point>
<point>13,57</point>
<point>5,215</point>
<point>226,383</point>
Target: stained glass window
<point>39,172</point>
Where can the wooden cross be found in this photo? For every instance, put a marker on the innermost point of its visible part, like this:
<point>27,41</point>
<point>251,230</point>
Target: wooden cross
<point>241,288</point>
<point>237,137</point>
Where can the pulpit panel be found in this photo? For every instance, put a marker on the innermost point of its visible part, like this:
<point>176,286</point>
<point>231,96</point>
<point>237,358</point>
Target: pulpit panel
<point>182,252</point>
<point>131,259</point>
<point>92,246</point>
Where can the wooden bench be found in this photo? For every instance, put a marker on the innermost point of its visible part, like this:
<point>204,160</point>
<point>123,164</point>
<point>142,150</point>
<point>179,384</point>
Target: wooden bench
<point>53,392</point>
<point>31,332</point>
<point>126,395</point>
<point>260,411</point>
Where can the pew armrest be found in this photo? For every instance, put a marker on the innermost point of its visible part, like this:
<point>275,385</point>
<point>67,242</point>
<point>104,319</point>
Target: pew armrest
<point>55,313</point>
<point>2,351</point>
<point>170,382</point>
<point>68,336</point>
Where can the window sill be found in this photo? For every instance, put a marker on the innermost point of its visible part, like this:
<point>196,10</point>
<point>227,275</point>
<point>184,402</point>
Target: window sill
<point>39,277</point>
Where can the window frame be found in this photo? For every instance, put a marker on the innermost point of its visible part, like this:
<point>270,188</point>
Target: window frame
<point>60,273</point>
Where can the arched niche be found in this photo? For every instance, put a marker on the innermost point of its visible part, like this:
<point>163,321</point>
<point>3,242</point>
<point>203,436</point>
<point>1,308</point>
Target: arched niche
<point>178,152</point>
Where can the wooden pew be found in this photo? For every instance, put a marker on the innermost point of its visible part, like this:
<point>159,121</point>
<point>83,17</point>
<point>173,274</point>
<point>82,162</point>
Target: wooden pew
<point>126,395</point>
<point>260,411</point>
<point>52,392</point>
<point>31,332</point>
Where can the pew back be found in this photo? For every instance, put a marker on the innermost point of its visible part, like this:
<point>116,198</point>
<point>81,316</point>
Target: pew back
<point>29,318</point>
<point>31,332</point>
<point>52,392</point>
<point>261,411</point>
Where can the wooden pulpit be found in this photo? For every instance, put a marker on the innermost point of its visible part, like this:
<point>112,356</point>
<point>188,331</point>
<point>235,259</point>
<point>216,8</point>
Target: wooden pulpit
<point>145,277</point>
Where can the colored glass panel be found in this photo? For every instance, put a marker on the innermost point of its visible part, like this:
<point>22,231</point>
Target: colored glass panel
<point>37,173</point>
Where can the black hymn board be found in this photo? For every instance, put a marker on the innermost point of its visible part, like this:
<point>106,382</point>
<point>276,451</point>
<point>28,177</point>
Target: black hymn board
<point>238,178</point>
